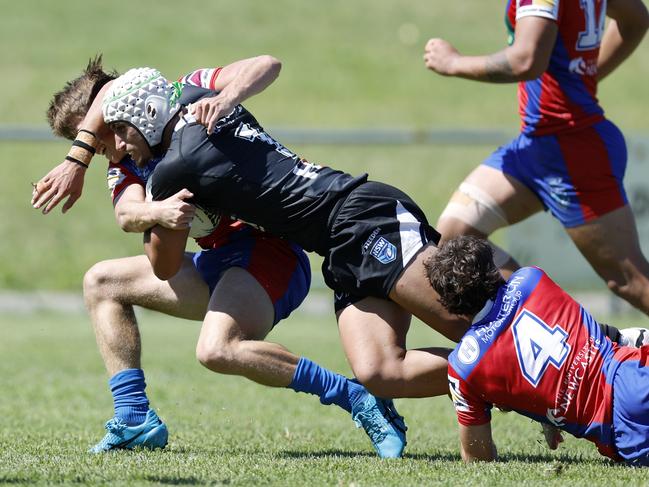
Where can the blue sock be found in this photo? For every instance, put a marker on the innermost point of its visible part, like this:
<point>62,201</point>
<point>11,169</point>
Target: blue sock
<point>330,387</point>
<point>129,398</point>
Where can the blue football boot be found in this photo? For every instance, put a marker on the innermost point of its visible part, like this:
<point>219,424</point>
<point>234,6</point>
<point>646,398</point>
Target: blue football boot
<point>151,434</point>
<point>380,420</point>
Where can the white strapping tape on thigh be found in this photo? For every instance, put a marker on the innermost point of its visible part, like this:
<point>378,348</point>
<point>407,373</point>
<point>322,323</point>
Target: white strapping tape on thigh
<point>476,208</point>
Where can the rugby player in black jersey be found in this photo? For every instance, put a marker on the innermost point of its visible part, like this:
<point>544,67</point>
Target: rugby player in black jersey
<point>373,237</point>
<point>244,279</point>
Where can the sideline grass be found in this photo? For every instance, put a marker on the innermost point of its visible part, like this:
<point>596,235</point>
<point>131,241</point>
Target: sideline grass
<point>228,431</point>
<point>345,63</point>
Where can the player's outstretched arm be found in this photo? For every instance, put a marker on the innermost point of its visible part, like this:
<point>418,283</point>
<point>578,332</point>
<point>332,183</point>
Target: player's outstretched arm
<point>236,83</point>
<point>66,179</point>
<point>476,443</point>
<point>165,249</point>
<point>630,21</point>
<point>527,58</point>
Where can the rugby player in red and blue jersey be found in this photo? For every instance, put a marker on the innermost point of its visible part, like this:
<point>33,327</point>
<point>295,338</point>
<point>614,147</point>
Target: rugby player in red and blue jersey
<point>247,279</point>
<point>533,349</point>
<point>568,159</point>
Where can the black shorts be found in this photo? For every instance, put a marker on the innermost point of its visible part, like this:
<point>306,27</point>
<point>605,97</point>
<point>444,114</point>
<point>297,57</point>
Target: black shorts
<point>374,234</point>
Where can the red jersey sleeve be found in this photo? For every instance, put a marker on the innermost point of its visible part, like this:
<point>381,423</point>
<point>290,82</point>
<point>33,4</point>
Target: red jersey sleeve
<point>471,409</point>
<point>119,177</point>
<point>204,77</point>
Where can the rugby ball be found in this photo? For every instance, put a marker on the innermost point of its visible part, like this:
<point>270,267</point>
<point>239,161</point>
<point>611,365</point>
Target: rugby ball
<point>204,223</point>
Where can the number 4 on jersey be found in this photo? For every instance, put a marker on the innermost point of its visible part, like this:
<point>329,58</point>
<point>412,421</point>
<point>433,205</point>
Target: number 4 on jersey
<point>538,345</point>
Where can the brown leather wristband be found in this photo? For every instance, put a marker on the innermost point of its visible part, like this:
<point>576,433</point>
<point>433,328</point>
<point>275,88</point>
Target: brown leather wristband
<point>83,148</point>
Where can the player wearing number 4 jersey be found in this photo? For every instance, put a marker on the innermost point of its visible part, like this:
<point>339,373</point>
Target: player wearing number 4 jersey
<point>568,159</point>
<point>561,370</point>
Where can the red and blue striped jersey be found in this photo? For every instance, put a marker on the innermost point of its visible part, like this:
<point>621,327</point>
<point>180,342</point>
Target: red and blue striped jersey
<point>564,97</point>
<point>535,350</point>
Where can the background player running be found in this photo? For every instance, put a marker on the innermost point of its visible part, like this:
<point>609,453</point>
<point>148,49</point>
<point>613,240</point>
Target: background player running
<point>254,280</point>
<point>560,369</point>
<point>568,159</point>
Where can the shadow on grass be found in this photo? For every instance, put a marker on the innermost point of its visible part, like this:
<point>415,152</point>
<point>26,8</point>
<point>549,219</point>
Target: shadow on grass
<point>324,454</point>
<point>352,454</point>
<point>551,459</point>
<point>175,480</point>
<point>547,458</point>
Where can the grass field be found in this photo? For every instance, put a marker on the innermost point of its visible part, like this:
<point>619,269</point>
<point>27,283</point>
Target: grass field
<point>228,431</point>
<point>345,65</point>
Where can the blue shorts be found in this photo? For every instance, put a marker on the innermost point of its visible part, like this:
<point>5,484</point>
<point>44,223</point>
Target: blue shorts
<point>631,412</point>
<point>577,175</point>
<point>282,268</point>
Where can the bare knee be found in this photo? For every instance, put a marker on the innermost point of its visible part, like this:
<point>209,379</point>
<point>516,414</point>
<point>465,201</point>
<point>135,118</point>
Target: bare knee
<point>217,355</point>
<point>380,381</point>
<point>96,283</point>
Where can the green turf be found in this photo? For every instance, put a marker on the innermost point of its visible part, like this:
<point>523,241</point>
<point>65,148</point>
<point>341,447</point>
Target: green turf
<point>345,65</point>
<point>228,431</point>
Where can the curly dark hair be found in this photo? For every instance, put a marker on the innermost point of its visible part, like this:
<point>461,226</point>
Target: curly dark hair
<point>70,105</point>
<point>464,275</point>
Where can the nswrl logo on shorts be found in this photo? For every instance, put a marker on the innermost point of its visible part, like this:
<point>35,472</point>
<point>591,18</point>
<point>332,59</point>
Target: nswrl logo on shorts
<point>384,251</point>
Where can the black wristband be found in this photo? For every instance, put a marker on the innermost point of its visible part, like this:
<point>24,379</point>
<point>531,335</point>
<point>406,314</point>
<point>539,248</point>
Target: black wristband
<point>76,161</point>
<point>85,146</point>
<point>88,132</point>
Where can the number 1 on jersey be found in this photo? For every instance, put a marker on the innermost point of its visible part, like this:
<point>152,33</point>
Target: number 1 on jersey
<point>592,36</point>
<point>538,345</point>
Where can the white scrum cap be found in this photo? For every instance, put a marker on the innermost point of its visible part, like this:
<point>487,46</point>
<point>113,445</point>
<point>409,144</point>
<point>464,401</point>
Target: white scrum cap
<point>143,98</point>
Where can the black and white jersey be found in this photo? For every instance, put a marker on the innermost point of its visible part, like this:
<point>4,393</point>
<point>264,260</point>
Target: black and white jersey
<point>242,172</point>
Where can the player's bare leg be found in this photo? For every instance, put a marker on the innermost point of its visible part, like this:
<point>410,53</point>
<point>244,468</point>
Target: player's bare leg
<point>610,244</point>
<point>113,287</point>
<point>495,200</point>
<point>617,259</point>
<point>373,333</point>
<point>240,316</point>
